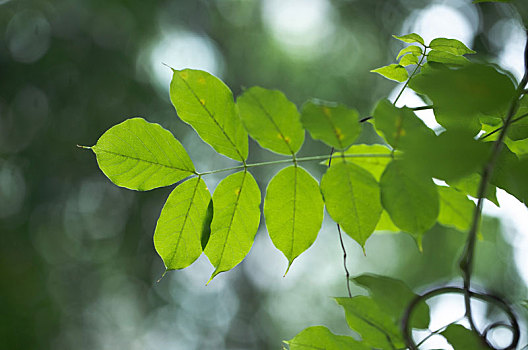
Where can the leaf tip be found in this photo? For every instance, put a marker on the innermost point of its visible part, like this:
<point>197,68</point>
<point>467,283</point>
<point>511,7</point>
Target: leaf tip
<point>288,268</point>
<point>163,275</point>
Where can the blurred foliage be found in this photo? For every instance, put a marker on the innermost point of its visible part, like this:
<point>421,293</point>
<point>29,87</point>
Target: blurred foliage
<point>77,262</point>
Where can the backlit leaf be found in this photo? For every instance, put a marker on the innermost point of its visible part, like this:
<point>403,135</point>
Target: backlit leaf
<point>462,338</point>
<point>407,60</point>
<point>393,72</point>
<point>452,46</point>
<point>206,103</point>
<point>141,156</point>
<point>352,199</point>
<point>410,198</point>
<point>375,326</point>
<point>271,119</point>
<point>469,185</point>
<point>410,38</point>
<point>385,223</point>
<point>293,209</point>
<point>178,235</point>
<point>412,49</point>
<point>236,216</point>
<point>366,157</point>
<point>333,123</point>
<point>319,337</point>
<point>446,58</point>
<point>456,209</point>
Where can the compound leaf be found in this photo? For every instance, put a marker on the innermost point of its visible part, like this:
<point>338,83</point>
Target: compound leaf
<point>139,155</point>
<point>334,124</point>
<point>320,337</point>
<point>178,235</point>
<point>206,103</point>
<point>352,198</point>
<point>410,198</point>
<point>393,72</point>
<point>236,216</point>
<point>452,46</point>
<point>293,209</point>
<point>271,119</point>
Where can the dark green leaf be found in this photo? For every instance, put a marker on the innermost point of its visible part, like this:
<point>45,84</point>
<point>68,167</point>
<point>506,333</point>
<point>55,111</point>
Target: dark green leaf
<point>412,49</point>
<point>178,238</point>
<point>462,338</point>
<point>271,119</point>
<point>334,124</point>
<point>206,103</point>
<point>410,198</point>
<point>456,209</point>
<point>393,296</point>
<point>410,38</point>
<point>393,72</point>
<point>293,209</point>
<point>320,338</point>
<point>452,46</point>
<point>352,199</point>
<point>376,327</point>
<point>141,156</point>
<point>510,174</point>
<point>519,129</point>
<point>236,216</point>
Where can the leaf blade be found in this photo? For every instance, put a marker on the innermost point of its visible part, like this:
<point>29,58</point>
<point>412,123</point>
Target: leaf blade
<point>410,38</point>
<point>393,72</point>
<point>320,337</point>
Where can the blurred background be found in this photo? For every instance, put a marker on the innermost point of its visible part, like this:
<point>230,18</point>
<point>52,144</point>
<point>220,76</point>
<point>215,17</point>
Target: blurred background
<point>78,267</point>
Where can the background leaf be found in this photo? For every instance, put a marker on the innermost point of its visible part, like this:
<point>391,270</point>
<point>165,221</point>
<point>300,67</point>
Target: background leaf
<point>393,72</point>
<point>293,209</point>
<point>271,119</point>
<point>319,337</point>
<point>469,185</point>
<point>462,338</point>
<point>236,215</point>
<point>178,235</point>
<point>141,156</point>
<point>206,103</point>
<point>334,124</point>
<point>352,198</point>
<point>456,209</point>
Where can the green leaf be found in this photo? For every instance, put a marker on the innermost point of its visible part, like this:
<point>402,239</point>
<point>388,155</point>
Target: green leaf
<point>510,174</point>
<point>469,185</point>
<point>407,60</point>
<point>236,216</point>
<point>519,129</point>
<point>293,209</point>
<point>319,337</point>
<point>393,72</point>
<point>446,58</point>
<point>376,327</point>
<point>462,338</point>
<point>365,157</point>
<point>178,238</point>
<point>333,123</point>
<point>385,223</point>
<point>454,92</point>
<point>141,156</point>
<point>393,296</point>
<point>410,38</point>
<point>456,209</point>
<point>398,125</point>
<point>410,198</point>
<point>271,119</point>
<point>412,49</point>
<point>352,199</point>
<point>206,103</point>
<point>452,46</point>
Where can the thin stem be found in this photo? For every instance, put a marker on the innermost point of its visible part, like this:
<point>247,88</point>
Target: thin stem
<point>347,274</point>
<point>499,129</point>
<point>421,108</point>
<point>291,160</point>
<point>410,77</point>
<point>438,331</point>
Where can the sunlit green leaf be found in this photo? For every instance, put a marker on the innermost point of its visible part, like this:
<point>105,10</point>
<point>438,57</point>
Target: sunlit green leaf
<point>407,60</point>
<point>293,209</point>
<point>456,209</point>
<point>375,326</point>
<point>469,185</point>
<point>236,216</point>
<point>206,103</point>
<point>452,46</point>
<point>352,198</point>
<point>333,123</point>
<point>446,58</point>
<point>141,156</point>
<point>398,125</point>
<point>410,38</point>
<point>410,198</point>
<point>319,337</point>
<point>393,72</point>
<point>178,235</point>
<point>385,223</point>
<point>462,338</point>
<point>393,296</point>
<point>271,119</point>
<point>365,157</point>
<point>412,49</point>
